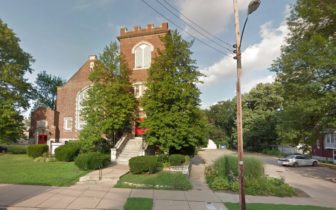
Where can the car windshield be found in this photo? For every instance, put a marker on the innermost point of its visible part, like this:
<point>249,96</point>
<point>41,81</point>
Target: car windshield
<point>290,156</point>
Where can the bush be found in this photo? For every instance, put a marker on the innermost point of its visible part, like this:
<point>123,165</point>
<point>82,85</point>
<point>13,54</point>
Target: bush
<point>273,152</point>
<point>92,160</point>
<point>163,158</point>
<point>16,149</point>
<point>68,152</point>
<point>228,166</point>
<point>176,160</point>
<point>37,150</point>
<point>144,164</point>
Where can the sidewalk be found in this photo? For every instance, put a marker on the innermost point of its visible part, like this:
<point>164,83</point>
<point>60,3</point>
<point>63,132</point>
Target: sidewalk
<point>91,193</point>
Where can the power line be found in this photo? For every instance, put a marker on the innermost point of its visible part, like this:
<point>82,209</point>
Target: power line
<point>209,38</point>
<point>172,22</point>
<point>193,22</point>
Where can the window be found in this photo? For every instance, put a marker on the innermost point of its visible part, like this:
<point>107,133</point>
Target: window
<point>81,96</point>
<point>142,54</point>
<point>67,123</point>
<point>139,90</point>
<point>41,124</point>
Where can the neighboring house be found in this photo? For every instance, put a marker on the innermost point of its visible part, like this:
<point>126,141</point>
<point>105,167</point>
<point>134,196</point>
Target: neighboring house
<point>325,147</point>
<point>138,46</point>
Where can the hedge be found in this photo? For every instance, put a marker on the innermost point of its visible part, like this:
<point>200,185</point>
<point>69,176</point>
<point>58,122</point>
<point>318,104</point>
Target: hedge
<point>68,152</point>
<point>37,150</point>
<point>92,160</point>
<point>16,149</point>
<point>176,159</point>
<point>143,164</point>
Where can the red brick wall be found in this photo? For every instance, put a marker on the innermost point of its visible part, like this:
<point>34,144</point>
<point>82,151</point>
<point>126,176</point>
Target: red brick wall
<point>66,100</point>
<point>128,39</point>
<point>50,116</point>
<point>318,150</point>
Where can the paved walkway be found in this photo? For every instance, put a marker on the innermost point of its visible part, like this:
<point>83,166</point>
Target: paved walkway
<point>93,194</point>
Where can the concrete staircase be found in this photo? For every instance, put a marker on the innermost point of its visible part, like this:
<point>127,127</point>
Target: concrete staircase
<point>133,148</point>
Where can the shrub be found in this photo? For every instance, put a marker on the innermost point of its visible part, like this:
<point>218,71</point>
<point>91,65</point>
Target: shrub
<point>273,152</point>
<point>68,152</point>
<point>37,150</point>
<point>16,149</point>
<point>143,164</point>
<point>163,158</point>
<point>176,160</point>
<point>92,160</point>
<point>228,166</point>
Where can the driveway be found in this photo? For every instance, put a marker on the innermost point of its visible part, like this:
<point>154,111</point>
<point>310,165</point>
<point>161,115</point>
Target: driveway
<point>314,181</point>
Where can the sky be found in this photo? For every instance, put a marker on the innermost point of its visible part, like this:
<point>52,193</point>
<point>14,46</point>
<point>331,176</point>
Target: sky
<point>61,34</point>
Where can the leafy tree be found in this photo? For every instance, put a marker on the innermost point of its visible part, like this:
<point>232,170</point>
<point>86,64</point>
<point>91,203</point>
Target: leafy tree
<point>46,89</point>
<point>221,118</point>
<point>110,103</point>
<point>260,115</point>
<point>15,91</point>
<point>174,121</point>
<point>306,70</point>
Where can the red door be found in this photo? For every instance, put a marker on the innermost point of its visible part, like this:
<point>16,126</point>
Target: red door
<point>42,139</point>
<point>138,130</point>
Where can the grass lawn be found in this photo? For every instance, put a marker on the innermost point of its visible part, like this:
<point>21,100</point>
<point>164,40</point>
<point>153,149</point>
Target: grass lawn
<point>263,206</point>
<point>139,204</point>
<point>21,169</point>
<point>161,180</point>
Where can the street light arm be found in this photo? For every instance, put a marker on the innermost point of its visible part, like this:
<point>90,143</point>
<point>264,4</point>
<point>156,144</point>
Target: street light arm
<point>241,38</point>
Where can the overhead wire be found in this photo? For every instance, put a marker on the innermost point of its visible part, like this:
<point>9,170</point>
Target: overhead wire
<point>212,36</point>
<point>181,28</point>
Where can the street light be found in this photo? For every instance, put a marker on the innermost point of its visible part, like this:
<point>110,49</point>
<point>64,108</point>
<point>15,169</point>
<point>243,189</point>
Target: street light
<point>253,6</point>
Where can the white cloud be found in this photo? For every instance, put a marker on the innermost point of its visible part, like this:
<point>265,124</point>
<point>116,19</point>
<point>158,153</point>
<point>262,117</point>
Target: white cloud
<point>248,85</point>
<point>213,15</point>
<point>254,58</point>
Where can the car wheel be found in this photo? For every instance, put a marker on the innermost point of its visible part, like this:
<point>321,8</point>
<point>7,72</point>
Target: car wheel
<point>315,163</point>
<point>295,164</point>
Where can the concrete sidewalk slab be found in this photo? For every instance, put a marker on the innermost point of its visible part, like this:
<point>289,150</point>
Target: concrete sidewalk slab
<point>206,206</point>
<point>169,195</point>
<point>138,193</point>
<point>205,195</point>
<point>170,205</point>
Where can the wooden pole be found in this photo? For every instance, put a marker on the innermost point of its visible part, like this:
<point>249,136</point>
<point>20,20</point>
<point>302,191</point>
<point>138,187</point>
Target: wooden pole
<point>239,111</point>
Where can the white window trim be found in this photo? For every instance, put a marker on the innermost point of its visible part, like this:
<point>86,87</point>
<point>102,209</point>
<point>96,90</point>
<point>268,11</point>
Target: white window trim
<point>78,108</point>
<point>133,52</point>
<point>142,89</point>
<point>41,124</point>
<point>66,126</point>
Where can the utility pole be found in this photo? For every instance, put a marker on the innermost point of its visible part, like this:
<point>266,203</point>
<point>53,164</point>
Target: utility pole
<point>239,111</point>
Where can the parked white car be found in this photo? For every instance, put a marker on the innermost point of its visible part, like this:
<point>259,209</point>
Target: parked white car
<point>297,160</point>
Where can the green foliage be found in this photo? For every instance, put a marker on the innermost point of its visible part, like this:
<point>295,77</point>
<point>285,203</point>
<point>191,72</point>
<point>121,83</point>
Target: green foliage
<point>264,206</point>
<point>138,204</point>
<point>171,101</point>
<point>221,118</point>
<point>21,169</point>
<point>15,90</point>
<point>306,70</point>
<point>273,152</point>
<point>260,110</point>
<point>144,164</point>
<point>176,159</point>
<point>16,149</point>
<point>45,89</point>
<point>162,180</point>
<point>68,152</point>
<point>37,150</point>
<point>223,175</point>
<point>92,161</point>
<point>109,107</point>
<point>163,158</point>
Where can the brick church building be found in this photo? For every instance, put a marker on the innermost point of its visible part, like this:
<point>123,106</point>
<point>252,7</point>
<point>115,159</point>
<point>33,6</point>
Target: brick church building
<point>139,46</point>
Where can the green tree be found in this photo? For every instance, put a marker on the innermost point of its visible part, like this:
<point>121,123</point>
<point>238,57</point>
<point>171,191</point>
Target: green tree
<point>306,70</point>
<point>110,103</point>
<point>221,118</point>
<point>15,90</point>
<point>46,89</point>
<point>171,102</point>
<point>260,116</point>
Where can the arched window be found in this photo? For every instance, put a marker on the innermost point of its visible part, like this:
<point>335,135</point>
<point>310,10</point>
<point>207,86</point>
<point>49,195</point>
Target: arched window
<point>81,95</point>
<point>143,55</point>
